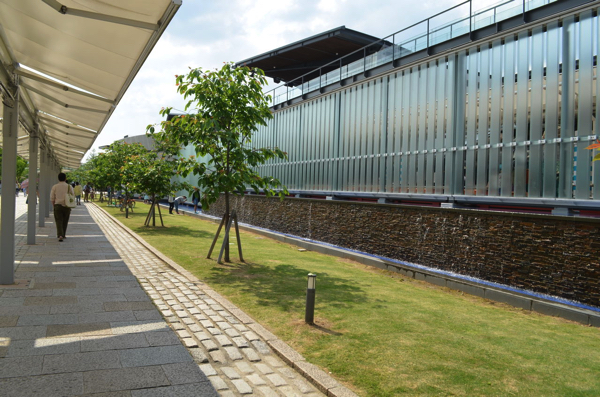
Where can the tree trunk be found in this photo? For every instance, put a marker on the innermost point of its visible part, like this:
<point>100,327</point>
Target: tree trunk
<point>227,215</point>
<point>125,204</point>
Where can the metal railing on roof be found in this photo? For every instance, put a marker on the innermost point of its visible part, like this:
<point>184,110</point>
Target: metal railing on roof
<point>417,37</point>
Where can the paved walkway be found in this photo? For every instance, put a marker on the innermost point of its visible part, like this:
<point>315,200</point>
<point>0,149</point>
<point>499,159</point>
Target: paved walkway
<point>104,314</point>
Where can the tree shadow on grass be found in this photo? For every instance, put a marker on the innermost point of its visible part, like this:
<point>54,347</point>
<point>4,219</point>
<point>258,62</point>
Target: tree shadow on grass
<point>174,232</point>
<point>284,286</point>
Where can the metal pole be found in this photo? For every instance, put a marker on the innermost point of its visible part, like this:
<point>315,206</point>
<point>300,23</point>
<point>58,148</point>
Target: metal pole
<point>49,181</point>
<point>32,188</point>
<point>309,316</point>
<point>428,35</point>
<point>10,130</point>
<point>470,17</point>
<point>42,187</point>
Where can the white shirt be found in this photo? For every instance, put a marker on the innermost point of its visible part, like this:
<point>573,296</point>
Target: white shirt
<point>58,193</point>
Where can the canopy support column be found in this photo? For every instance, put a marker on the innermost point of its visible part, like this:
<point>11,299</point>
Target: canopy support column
<point>48,181</point>
<point>32,188</point>
<point>10,131</point>
<point>42,187</point>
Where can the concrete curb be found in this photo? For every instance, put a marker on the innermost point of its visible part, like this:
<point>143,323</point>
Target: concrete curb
<point>319,378</point>
<point>526,302</point>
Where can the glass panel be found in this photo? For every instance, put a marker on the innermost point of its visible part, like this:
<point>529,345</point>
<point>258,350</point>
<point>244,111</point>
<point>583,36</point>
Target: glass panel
<point>432,90</point>
<point>522,121</point>
<point>397,131</point>
<point>552,110</point>
<point>471,131</point>
<point>410,40</point>
<point>567,119</point>
<point>442,125</point>
<point>482,126</point>
<point>422,129</point>
<point>508,115</point>
<point>448,25</point>
<point>596,164</point>
<point>413,144</point>
<point>495,119</point>
<point>585,103</point>
<point>404,168</point>
<point>535,176</point>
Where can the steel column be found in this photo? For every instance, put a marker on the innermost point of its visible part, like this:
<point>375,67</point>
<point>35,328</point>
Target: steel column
<point>42,188</point>
<point>32,188</point>
<point>10,131</point>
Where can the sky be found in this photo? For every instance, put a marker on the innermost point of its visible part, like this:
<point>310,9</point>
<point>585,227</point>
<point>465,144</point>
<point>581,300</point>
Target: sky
<point>206,33</point>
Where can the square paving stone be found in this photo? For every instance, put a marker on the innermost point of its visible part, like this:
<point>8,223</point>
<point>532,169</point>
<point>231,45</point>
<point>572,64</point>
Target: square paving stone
<point>141,315</point>
<point>8,321</point>
<point>11,367</point>
<point>47,319</point>
<point>256,380</point>
<point>198,355</point>
<point>233,353</point>
<point>210,345</point>
<point>105,317</point>
<point>244,367</point>
<point>203,389</point>
<point>53,385</point>
<point>268,392</point>
<point>189,342</point>
<point>223,340</point>
<point>19,333</point>
<point>303,386</point>
<point>127,327</point>
<point>91,329</point>
<point>54,285</point>
<point>251,354</point>
<point>207,369</point>
<point>42,346</point>
<point>182,373</point>
<point>240,342</point>
<point>261,346</point>
<point>121,306</point>
<point>124,379</point>
<point>154,356</point>
<point>114,342</point>
<point>241,386</point>
<point>74,308</point>
<point>162,338</point>
<point>50,300</point>
<point>80,362</point>
<point>265,369</point>
<point>276,379</point>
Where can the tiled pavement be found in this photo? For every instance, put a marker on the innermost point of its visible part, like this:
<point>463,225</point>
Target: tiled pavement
<point>103,314</point>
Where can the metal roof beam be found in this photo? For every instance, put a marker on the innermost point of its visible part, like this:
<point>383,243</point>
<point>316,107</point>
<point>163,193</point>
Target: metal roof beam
<point>58,85</point>
<point>61,103</point>
<point>100,17</point>
<point>63,124</point>
<point>52,129</point>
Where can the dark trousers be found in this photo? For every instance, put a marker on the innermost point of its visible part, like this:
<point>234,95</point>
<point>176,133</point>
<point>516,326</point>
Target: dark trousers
<point>61,218</point>
<point>171,205</point>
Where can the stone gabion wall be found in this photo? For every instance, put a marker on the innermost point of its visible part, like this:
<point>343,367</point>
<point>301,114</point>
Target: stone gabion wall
<point>559,256</point>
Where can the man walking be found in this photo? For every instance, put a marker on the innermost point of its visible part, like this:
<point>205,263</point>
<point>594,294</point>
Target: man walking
<point>61,211</point>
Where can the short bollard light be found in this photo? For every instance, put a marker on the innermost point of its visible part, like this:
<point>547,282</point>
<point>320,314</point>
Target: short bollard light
<point>309,317</point>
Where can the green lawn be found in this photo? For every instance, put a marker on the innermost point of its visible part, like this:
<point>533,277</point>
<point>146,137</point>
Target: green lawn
<point>381,334</point>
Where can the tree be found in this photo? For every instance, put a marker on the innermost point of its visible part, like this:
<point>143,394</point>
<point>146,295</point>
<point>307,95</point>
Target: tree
<point>116,167</point>
<point>22,169</point>
<point>225,107</point>
<point>152,173</point>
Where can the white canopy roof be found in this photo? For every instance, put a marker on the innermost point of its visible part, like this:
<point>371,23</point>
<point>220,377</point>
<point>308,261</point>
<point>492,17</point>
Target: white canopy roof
<point>85,53</point>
